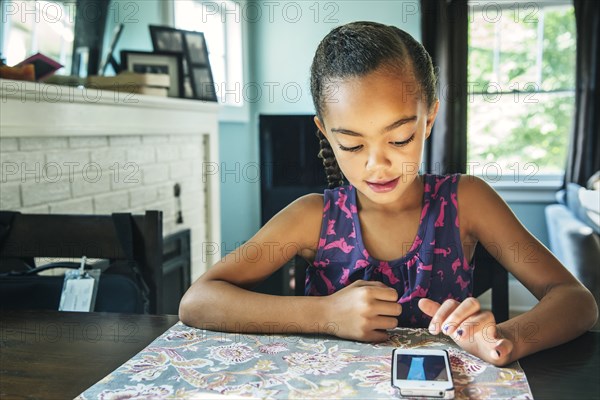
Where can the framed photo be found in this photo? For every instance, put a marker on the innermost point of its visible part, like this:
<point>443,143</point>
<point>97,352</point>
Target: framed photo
<point>198,81</point>
<point>145,62</point>
<point>204,86</point>
<point>165,38</point>
<point>196,48</point>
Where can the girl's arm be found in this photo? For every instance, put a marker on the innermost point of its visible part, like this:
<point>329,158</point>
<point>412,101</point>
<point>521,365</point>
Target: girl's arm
<point>566,309</point>
<point>221,300</point>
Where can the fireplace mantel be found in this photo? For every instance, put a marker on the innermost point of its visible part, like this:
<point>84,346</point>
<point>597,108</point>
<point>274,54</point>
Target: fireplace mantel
<point>56,114</point>
<point>38,109</point>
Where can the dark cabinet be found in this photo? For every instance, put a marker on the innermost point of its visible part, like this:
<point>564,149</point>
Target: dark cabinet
<point>290,168</point>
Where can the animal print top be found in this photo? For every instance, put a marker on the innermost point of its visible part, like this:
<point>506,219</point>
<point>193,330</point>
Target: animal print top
<point>434,266</point>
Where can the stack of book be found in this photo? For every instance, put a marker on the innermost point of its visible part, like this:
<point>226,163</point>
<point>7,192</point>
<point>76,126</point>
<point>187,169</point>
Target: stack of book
<point>130,82</point>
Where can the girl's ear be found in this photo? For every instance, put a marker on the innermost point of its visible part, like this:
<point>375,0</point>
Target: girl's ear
<point>431,118</point>
<point>320,125</point>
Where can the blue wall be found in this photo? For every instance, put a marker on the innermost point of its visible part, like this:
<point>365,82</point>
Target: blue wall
<point>281,46</point>
<point>240,189</point>
<point>135,16</point>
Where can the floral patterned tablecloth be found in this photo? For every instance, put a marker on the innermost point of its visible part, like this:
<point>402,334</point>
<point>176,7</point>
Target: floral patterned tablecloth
<point>187,362</point>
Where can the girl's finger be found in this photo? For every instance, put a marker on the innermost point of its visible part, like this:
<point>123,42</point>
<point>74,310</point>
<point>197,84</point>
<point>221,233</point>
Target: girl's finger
<point>482,323</point>
<point>361,282</point>
<point>501,349</point>
<point>437,322</point>
<point>428,306</point>
<point>490,333</point>
<point>464,310</point>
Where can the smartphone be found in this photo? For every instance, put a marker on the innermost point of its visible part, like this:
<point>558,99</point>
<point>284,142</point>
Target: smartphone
<point>422,372</point>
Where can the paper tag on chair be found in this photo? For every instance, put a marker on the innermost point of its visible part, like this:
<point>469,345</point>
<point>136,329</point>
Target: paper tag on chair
<point>77,295</point>
<point>79,290</point>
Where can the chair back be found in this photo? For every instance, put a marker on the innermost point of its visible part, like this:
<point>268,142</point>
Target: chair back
<point>132,240</point>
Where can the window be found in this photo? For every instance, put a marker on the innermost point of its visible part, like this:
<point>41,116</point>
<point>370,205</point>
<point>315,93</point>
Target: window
<point>46,27</point>
<point>221,23</point>
<point>521,76</point>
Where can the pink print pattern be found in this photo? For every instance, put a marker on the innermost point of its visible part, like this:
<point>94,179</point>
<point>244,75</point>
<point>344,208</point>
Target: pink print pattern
<point>339,244</point>
<point>330,227</point>
<point>341,203</point>
<point>431,268</point>
<point>440,219</point>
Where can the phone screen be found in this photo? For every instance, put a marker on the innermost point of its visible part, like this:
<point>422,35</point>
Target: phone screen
<point>421,367</point>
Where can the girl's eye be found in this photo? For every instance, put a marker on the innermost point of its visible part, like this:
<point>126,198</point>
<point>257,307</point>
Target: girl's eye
<point>404,142</point>
<point>355,148</point>
<point>397,144</point>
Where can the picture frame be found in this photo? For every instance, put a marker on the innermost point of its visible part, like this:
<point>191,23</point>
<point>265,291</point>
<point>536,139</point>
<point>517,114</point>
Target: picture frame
<point>195,45</point>
<point>156,62</point>
<point>110,59</point>
<point>166,39</point>
<point>198,79</point>
<point>203,84</point>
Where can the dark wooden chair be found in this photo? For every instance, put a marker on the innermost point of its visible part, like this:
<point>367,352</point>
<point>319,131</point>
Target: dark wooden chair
<point>488,274</point>
<point>120,238</point>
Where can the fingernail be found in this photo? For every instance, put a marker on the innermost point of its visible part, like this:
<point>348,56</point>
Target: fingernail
<point>431,328</point>
<point>459,332</point>
<point>446,327</point>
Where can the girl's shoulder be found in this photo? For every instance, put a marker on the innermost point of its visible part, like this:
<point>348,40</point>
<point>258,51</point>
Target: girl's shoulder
<point>477,202</point>
<point>471,188</point>
<point>309,202</point>
<point>307,208</point>
<point>303,217</point>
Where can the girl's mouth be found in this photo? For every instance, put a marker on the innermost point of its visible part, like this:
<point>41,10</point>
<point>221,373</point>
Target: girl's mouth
<point>384,186</point>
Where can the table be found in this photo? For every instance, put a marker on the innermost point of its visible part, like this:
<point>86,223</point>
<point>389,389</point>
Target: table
<point>51,354</point>
<point>57,355</point>
<point>568,371</point>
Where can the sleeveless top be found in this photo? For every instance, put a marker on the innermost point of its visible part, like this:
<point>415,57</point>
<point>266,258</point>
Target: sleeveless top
<point>434,266</point>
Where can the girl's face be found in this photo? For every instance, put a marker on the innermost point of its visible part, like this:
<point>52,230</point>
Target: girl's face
<point>377,125</point>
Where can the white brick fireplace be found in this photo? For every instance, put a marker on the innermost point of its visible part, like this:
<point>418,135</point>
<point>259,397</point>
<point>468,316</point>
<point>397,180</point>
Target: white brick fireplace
<point>68,150</point>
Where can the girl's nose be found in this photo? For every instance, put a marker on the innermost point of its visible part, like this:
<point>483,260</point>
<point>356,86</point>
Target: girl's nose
<point>377,159</point>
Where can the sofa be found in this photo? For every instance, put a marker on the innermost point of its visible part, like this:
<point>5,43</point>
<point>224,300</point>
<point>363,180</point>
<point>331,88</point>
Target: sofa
<point>574,234</point>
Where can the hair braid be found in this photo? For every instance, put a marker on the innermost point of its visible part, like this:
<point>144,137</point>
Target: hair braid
<point>335,177</point>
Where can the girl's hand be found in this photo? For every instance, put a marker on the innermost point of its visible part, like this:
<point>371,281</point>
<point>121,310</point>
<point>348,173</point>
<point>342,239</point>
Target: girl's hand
<point>363,311</point>
<point>472,329</point>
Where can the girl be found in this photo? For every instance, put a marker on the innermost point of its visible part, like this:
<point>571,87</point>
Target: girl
<point>392,247</point>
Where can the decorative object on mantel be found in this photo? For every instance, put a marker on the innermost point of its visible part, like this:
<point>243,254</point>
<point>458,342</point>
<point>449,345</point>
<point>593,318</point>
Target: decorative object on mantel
<point>66,80</point>
<point>198,78</point>
<point>130,82</point>
<point>34,68</point>
<point>143,62</point>
<point>110,59</point>
<point>23,73</point>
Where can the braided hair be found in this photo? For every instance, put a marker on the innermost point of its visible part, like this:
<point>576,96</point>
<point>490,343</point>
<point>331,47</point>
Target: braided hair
<point>354,50</point>
<point>332,169</point>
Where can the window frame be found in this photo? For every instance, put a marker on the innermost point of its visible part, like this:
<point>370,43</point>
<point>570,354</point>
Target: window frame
<point>519,187</point>
<point>227,112</point>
